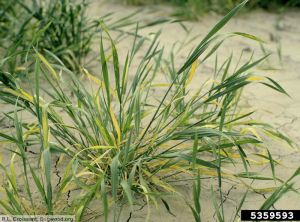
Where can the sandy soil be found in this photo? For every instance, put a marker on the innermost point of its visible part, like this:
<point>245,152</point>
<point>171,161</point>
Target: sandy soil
<point>280,31</point>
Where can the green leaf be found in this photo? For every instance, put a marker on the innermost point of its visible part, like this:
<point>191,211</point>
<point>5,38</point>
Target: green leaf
<point>115,176</point>
<point>127,190</point>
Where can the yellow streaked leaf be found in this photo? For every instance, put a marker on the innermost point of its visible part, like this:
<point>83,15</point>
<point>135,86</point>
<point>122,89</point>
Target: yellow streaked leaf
<point>116,124</point>
<point>159,182</point>
<point>214,173</point>
<point>99,159</point>
<point>13,172</point>
<point>161,85</point>
<point>192,71</point>
<point>20,68</point>
<point>265,190</point>
<point>106,137</point>
<point>29,97</point>
<point>94,148</point>
<point>48,66</point>
<point>84,173</point>
<point>45,127</point>
<point>69,186</point>
<point>93,78</point>
<point>30,132</point>
<point>61,159</point>
<point>15,93</point>
<point>255,78</point>
<point>251,130</point>
<point>100,147</point>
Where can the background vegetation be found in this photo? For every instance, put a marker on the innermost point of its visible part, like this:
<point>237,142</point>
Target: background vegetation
<point>57,26</point>
<point>193,9</point>
<point>60,27</point>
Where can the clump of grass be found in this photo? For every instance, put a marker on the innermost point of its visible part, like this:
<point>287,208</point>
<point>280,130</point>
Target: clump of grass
<point>60,27</point>
<point>122,140</point>
<point>66,30</point>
